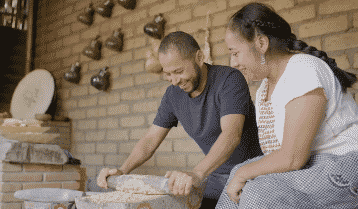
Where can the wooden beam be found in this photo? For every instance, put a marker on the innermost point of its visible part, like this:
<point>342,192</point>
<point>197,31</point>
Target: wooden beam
<point>30,19</point>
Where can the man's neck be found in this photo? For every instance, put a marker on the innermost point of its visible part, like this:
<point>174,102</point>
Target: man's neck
<point>202,84</point>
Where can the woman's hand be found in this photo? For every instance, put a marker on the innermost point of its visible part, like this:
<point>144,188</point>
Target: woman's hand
<point>234,189</point>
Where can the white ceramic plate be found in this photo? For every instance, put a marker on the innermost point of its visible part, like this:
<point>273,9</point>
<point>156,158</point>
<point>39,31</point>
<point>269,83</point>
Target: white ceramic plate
<point>33,95</point>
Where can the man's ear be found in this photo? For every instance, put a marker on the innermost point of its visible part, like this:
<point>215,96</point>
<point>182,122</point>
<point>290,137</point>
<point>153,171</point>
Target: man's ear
<point>199,58</point>
<point>262,44</point>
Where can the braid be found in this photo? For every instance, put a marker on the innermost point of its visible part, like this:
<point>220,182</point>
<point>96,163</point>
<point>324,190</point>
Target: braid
<point>260,23</point>
<point>346,79</point>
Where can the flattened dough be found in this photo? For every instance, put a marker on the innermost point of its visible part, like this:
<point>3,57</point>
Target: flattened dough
<point>121,197</point>
<point>137,186</point>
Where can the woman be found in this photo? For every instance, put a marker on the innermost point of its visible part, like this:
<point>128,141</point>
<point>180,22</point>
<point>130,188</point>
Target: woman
<point>307,121</point>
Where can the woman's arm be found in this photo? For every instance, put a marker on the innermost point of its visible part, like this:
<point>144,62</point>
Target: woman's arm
<point>302,119</point>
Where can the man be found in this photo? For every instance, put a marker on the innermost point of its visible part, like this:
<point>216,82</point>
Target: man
<point>214,106</point>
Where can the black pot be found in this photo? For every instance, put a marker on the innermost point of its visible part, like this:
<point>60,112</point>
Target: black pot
<point>93,51</point>
<point>156,27</point>
<point>101,81</point>
<point>115,42</point>
<point>74,74</point>
<point>128,4</point>
<point>87,16</point>
<point>106,8</point>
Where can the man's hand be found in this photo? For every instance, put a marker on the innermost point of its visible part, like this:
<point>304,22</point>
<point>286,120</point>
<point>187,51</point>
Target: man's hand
<point>181,183</point>
<point>105,172</point>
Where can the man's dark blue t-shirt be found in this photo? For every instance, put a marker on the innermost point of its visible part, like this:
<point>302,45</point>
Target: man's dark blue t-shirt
<point>226,92</point>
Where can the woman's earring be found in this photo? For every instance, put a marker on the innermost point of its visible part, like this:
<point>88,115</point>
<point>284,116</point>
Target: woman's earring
<point>263,60</point>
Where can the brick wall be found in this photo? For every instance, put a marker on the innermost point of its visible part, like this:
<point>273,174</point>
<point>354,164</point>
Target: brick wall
<point>15,177</point>
<point>106,126</point>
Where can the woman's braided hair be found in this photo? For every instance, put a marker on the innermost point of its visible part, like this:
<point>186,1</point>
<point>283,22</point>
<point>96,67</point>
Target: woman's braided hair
<point>257,18</point>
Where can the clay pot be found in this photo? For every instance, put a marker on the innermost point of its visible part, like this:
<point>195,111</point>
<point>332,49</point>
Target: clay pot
<point>106,8</point>
<point>101,80</point>
<point>152,65</point>
<point>87,16</point>
<point>93,51</point>
<point>155,45</point>
<point>128,4</point>
<point>156,27</point>
<point>74,74</point>
<point>115,42</point>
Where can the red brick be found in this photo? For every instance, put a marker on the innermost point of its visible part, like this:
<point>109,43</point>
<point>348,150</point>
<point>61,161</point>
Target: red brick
<point>10,187</point>
<point>94,159</point>
<point>8,197</point>
<point>179,16</point>
<point>115,160</point>
<point>145,106</point>
<point>70,176</point>
<point>174,160</point>
<point>299,14</point>
<point>281,4</point>
<point>20,177</point>
<point>42,168</point>
<point>132,121</point>
<point>10,167</point>
<point>186,146</point>
<point>74,185</point>
<point>332,6</point>
<point>41,185</point>
<point>11,205</point>
<point>195,158</point>
<point>339,42</point>
<point>167,6</point>
<point>135,16</point>
<point>334,24</point>
<point>211,7</point>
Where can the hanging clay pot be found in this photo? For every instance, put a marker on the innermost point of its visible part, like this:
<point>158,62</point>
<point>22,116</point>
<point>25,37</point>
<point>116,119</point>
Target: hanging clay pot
<point>101,81</point>
<point>128,4</point>
<point>156,27</point>
<point>73,75</point>
<point>207,51</point>
<point>93,51</point>
<point>106,8</point>
<point>115,42</point>
<point>87,16</point>
<point>155,45</point>
<point>152,65</point>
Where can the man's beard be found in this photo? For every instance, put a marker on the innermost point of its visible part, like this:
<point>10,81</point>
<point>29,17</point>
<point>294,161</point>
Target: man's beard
<point>197,80</point>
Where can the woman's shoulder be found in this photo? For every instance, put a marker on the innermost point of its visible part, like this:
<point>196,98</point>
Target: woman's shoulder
<point>307,62</point>
<point>305,66</point>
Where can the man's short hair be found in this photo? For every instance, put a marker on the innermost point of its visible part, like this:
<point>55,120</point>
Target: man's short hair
<point>184,43</point>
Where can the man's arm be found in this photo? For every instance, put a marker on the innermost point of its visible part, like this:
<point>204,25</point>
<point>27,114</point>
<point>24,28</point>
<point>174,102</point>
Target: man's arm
<point>180,183</point>
<point>228,140</point>
<point>145,148</point>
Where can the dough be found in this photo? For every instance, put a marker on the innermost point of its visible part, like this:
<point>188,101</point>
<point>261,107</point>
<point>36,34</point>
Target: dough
<point>121,197</point>
<point>138,186</point>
